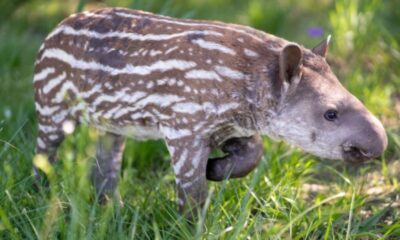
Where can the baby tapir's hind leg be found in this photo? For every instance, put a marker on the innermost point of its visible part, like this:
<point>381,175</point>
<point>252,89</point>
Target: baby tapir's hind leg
<point>105,172</point>
<point>244,154</point>
<point>50,136</point>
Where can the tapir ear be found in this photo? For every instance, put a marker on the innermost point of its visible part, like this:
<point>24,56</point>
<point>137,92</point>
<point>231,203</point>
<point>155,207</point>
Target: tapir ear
<point>290,61</point>
<point>322,48</point>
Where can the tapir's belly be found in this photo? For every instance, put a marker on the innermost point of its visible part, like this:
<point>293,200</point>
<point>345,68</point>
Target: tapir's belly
<point>131,131</point>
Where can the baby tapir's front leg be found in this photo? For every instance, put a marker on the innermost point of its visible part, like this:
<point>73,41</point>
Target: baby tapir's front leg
<point>243,155</point>
<point>105,172</point>
<point>189,159</point>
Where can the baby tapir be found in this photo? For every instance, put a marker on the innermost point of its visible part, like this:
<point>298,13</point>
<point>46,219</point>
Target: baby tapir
<point>199,85</point>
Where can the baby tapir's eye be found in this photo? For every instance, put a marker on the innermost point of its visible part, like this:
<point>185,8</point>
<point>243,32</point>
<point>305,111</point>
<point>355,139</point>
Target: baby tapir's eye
<point>331,115</point>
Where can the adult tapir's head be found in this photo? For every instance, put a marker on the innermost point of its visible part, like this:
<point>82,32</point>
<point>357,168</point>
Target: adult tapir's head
<point>318,114</point>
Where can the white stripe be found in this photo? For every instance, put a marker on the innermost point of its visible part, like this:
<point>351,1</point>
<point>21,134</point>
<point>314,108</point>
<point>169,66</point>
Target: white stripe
<point>40,143</point>
<point>172,133</point>
<point>123,95</point>
<point>162,100</point>
<point>54,83</point>
<point>189,173</point>
<point>64,88</point>
<point>196,158</point>
<point>171,49</point>
<point>231,27</point>
<point>150,85</point>
<point>61,55</point>
<point>180,83</point>
<point>160,115</point>
<point>109,98</point>
<point>250,53</point>
<point>80,106</point>
<point>67,30</point>
<point>53,137</point>
<point>41,47</point>
<point>47,128</point>
<point>226,107</point>
<point>111,111</point>
<point>187,107</point>
<point>121,112</point>
<point>199,126</point>
<point>92,14</point>
<point>46,110</point>
<point>171,150</point>
<point>228,72</point>
<point>171,81</point>
<point>43,74</point>
<point>213,46</point>
<point>60,116</point>
<point>208,107</point>
<point>181,161</point>
<point>186,184</point>
<point>95,89</point>
<point>203,74</point>
<point>154,53</point>
<point>162,81</point>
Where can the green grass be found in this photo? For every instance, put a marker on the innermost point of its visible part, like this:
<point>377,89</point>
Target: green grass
<point>291,195</point>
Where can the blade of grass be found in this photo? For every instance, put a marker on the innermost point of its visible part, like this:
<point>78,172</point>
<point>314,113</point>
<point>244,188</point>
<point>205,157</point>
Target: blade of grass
<point>350,214</point>
<point>81,6</point>
<point>298,217</point>
<point>6,222</point>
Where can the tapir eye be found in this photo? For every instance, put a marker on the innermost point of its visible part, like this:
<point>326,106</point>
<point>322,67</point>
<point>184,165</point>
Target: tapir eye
<point>331,115</point>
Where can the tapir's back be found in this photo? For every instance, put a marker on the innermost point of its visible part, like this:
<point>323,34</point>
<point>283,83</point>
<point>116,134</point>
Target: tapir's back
<point>118,68</point>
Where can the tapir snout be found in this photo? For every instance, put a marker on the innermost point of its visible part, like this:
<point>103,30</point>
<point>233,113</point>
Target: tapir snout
<point>368,141</point>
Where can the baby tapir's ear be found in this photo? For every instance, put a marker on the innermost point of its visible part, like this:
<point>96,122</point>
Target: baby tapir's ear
<point>290,61</point>
<point>322,48</point>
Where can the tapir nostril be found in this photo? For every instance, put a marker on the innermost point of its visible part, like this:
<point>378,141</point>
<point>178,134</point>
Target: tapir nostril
<point>353,153</point>
<point>366,154</point>
<point>358,152</point>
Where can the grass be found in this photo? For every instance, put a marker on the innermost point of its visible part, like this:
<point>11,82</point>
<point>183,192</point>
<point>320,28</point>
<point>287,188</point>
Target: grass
<point>291,195</point>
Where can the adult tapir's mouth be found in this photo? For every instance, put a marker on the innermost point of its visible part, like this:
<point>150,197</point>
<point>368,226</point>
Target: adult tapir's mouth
<point>354,154</point>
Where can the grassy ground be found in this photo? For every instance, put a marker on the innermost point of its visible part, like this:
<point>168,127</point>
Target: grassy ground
<point>291,195</point>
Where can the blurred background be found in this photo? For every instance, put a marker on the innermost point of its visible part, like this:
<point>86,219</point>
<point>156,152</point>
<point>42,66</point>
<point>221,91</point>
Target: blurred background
<point>365,55</point>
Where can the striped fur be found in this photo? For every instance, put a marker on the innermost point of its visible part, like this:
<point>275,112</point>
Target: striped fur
<point>125,55</point>
<point>198,85</point>
<point>194,84</point>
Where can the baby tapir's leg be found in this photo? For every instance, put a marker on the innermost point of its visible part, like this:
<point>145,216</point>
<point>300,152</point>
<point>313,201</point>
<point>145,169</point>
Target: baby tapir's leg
<point>105,172</point>
<point>244,154</point>
<point>189,160</point>
<point>50,136</point>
